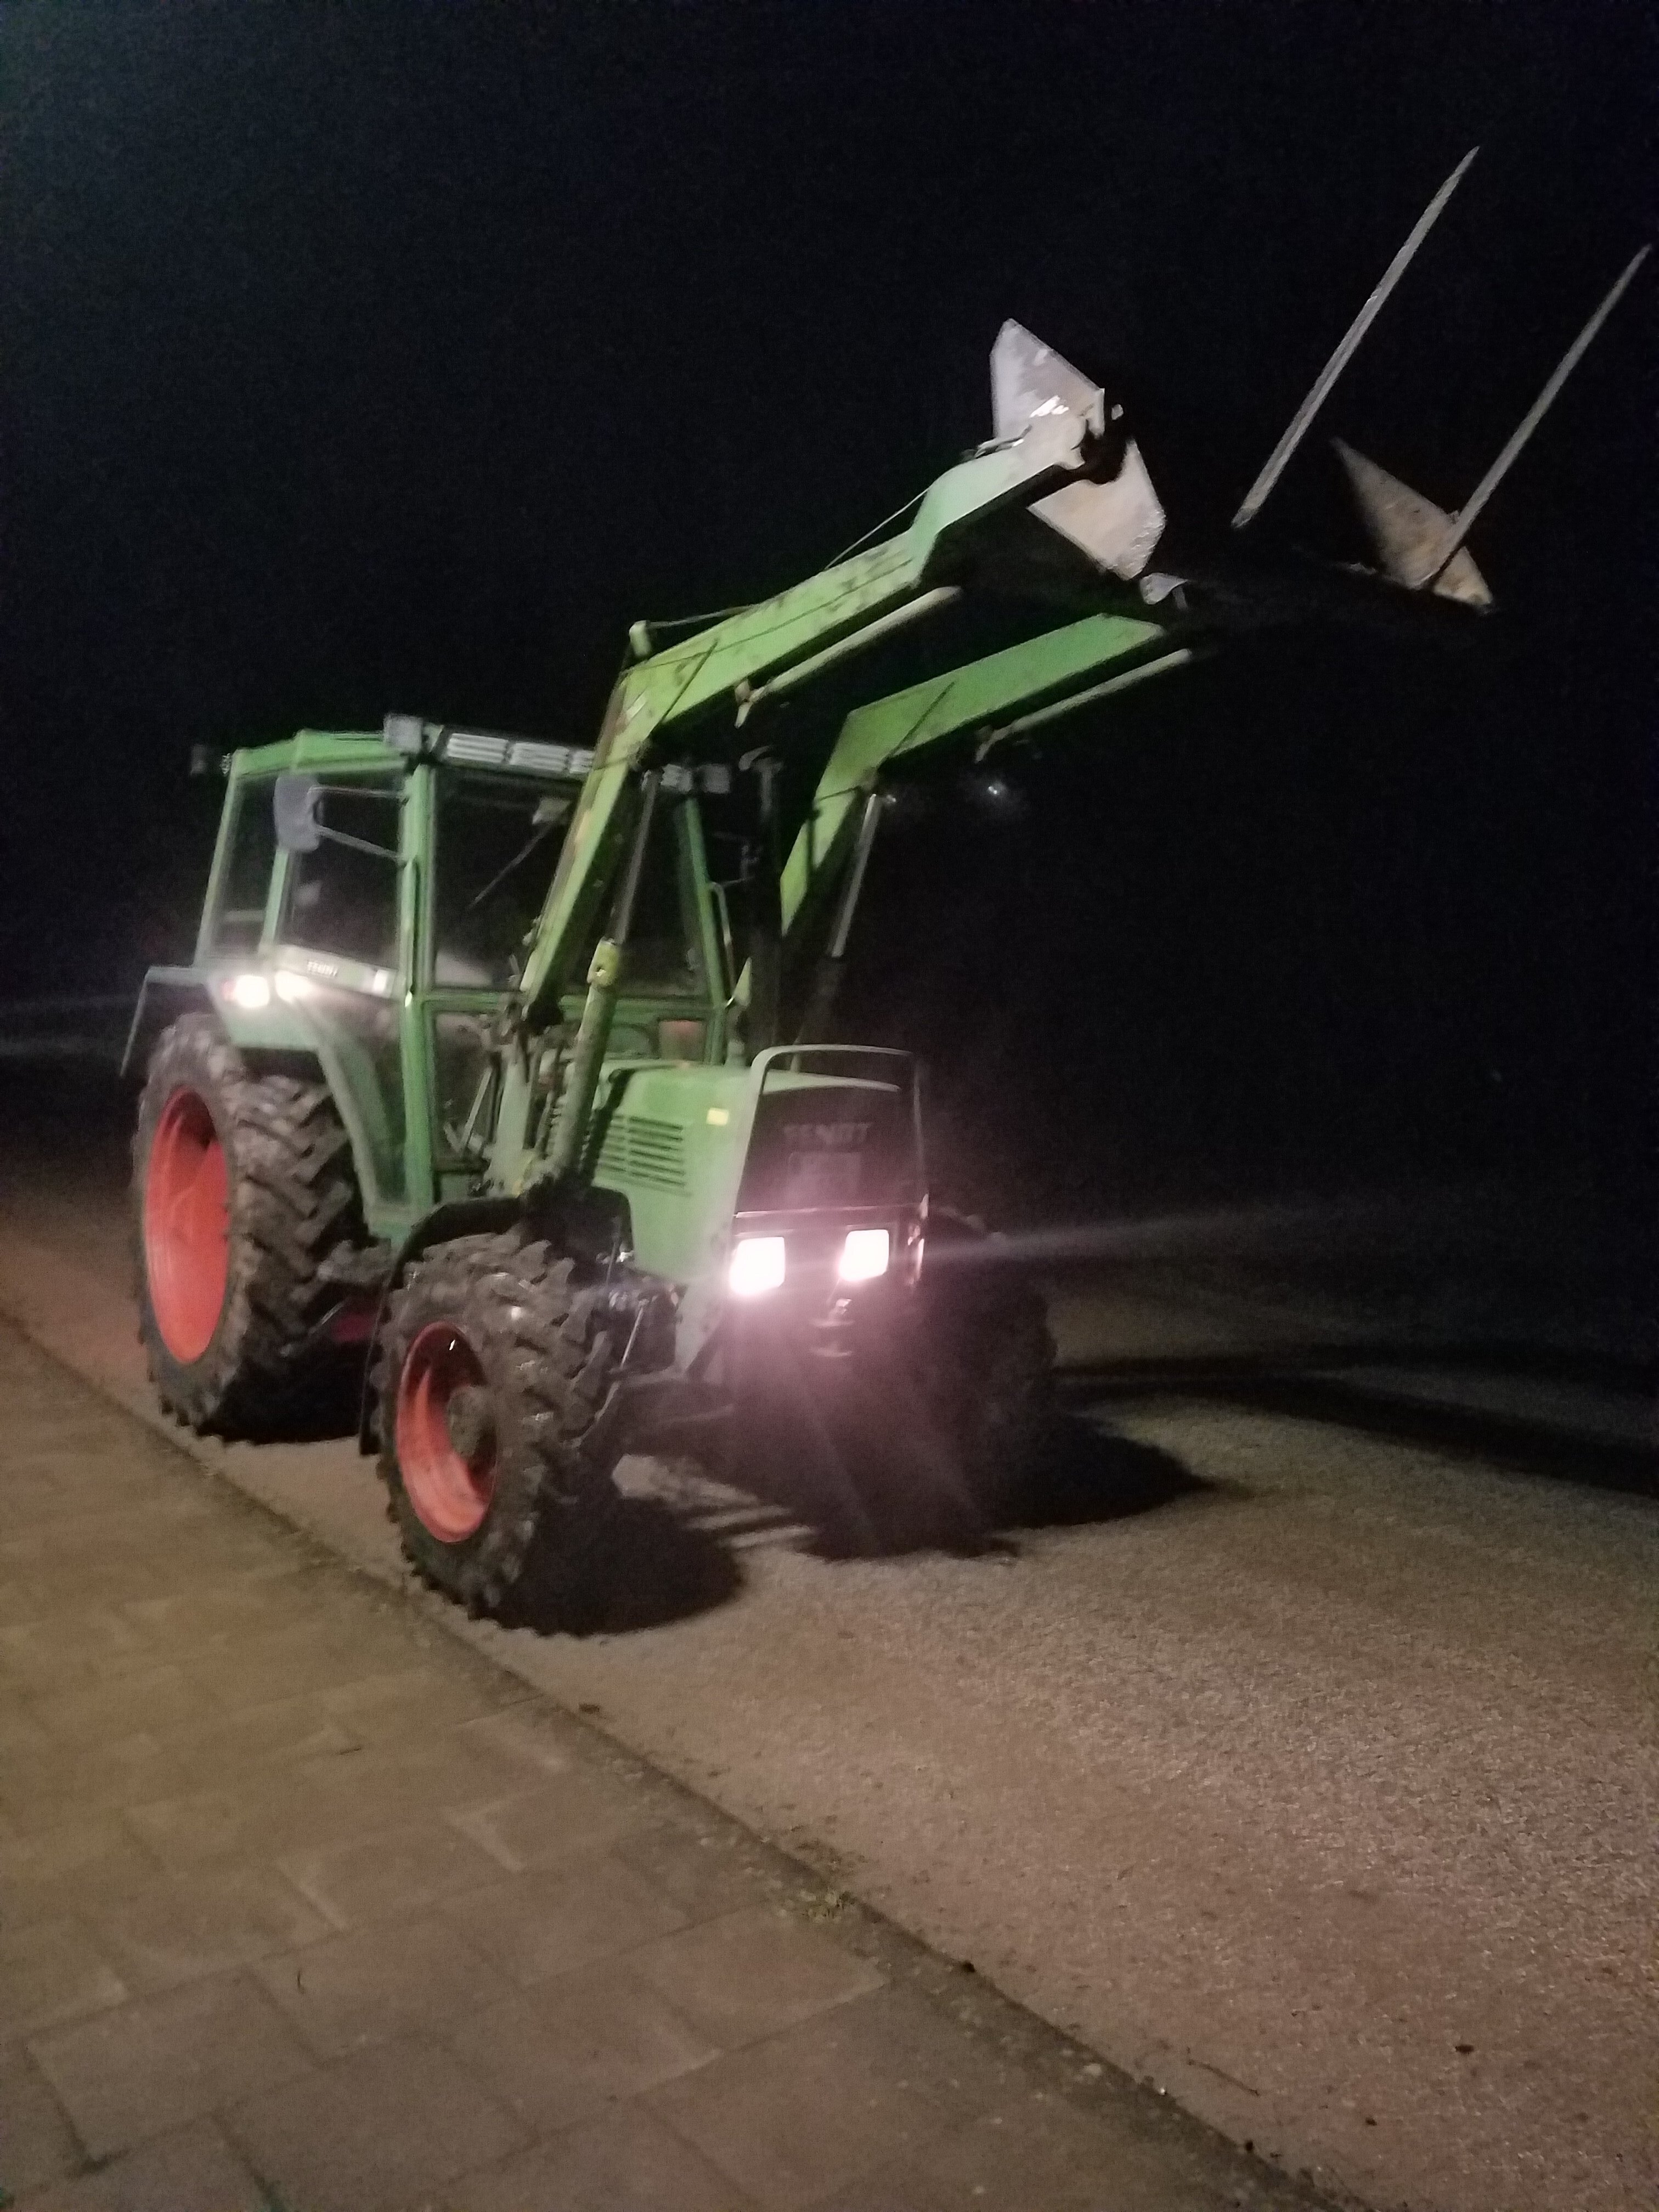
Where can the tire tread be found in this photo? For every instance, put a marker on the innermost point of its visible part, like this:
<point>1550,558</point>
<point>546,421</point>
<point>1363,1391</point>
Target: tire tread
<point>295,1204</point>
<point>538,1331</point>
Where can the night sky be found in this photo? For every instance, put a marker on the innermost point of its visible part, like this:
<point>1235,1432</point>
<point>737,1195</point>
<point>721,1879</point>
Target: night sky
<point>359,358</point>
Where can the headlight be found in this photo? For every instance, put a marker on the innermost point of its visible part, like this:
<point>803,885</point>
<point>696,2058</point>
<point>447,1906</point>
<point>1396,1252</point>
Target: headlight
<point>252,992</point>
<point>756,1266</point>
<point>864,1256</point>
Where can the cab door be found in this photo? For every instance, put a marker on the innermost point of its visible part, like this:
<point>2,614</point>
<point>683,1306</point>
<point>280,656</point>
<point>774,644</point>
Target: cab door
<point>495,842</point>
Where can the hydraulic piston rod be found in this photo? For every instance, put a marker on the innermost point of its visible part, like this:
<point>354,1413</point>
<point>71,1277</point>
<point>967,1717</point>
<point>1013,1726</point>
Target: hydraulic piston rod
<point>605,978</point>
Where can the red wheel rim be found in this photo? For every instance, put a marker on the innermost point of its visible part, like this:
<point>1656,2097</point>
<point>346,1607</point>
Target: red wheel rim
<point>450,1493</point>
<point>186,1225</point>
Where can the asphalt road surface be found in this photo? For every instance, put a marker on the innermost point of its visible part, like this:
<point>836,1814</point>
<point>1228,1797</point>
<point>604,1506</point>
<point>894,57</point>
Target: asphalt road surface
<point>1306,1768</point>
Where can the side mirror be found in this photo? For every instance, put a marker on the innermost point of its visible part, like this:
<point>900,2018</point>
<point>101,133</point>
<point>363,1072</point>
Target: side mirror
<point>296,799</point>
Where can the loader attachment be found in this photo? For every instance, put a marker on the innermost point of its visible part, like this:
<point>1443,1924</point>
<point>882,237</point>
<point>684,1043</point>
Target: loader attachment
<point>1420,545</point>
<point>1116,519</point>
<point>1407,529</point>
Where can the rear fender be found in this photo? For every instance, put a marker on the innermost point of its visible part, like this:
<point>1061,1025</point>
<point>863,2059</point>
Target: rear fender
<point>168,992</point>
<point>272,1038</point>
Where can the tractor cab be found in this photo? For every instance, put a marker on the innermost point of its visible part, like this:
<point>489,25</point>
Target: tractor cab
<point>372,904</point>
<point>369,911</point>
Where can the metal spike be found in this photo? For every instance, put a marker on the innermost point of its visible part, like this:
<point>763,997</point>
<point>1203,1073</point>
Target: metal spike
<point>1464,520</point>
<point>1297,428</point>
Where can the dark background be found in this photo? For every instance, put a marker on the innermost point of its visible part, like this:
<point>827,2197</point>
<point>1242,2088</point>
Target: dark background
<point>360,358</point>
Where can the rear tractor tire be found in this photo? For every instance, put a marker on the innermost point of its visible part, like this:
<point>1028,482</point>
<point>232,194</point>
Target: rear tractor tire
<point>244,1199</point>
<point>492,1371</point>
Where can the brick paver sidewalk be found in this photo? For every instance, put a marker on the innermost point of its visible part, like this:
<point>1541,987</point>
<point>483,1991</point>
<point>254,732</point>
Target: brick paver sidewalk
<point>304,1906</point>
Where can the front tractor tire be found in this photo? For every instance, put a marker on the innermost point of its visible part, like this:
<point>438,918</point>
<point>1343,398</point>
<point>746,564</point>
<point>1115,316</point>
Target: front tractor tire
<point>988,1360</point>
<point>244,1194</point>
<point>990,1364</point>
<point>493,1368</point>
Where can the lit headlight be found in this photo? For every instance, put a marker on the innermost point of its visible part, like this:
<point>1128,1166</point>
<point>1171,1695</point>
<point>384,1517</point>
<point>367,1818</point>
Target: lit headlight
<point>252,992</point>
<point>864,1256</point>
<point>756,1266</point>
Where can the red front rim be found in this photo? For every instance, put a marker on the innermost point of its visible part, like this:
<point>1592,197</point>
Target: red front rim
<point>450,1493</point>
<point>186,1225</point>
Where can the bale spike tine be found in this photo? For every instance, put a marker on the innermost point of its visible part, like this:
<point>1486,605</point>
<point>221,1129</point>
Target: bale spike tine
<point>1298,426</point>
<point>1464,520</point>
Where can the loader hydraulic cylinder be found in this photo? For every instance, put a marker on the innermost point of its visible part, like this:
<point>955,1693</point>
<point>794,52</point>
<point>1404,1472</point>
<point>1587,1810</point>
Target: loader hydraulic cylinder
<point>826,972</point>
<point>604,977</point>
<point>766,945</point>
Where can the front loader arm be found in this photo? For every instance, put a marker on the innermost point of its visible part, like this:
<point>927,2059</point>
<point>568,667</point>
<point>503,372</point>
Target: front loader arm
<point>732,662</point>
<point>1051,675</point>
<point>677,702</point>
<point>1062,458</point>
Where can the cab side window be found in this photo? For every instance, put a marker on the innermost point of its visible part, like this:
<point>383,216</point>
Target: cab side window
<point>344,898</point>
<point>663,954</point>
<point>240,920</point>
<point>663,960</point>
<point>498,844</point>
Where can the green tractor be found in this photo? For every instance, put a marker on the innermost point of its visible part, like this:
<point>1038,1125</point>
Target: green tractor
<point>489,1084</point>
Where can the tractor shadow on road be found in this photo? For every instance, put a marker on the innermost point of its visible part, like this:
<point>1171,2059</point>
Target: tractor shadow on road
<point>662,1562</point>
<point>1092,1474</point>
<point>676,1544</point>
<point>913,1503</point>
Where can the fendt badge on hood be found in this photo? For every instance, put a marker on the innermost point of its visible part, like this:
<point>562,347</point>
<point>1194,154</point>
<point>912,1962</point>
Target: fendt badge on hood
<point>826,1136</point>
